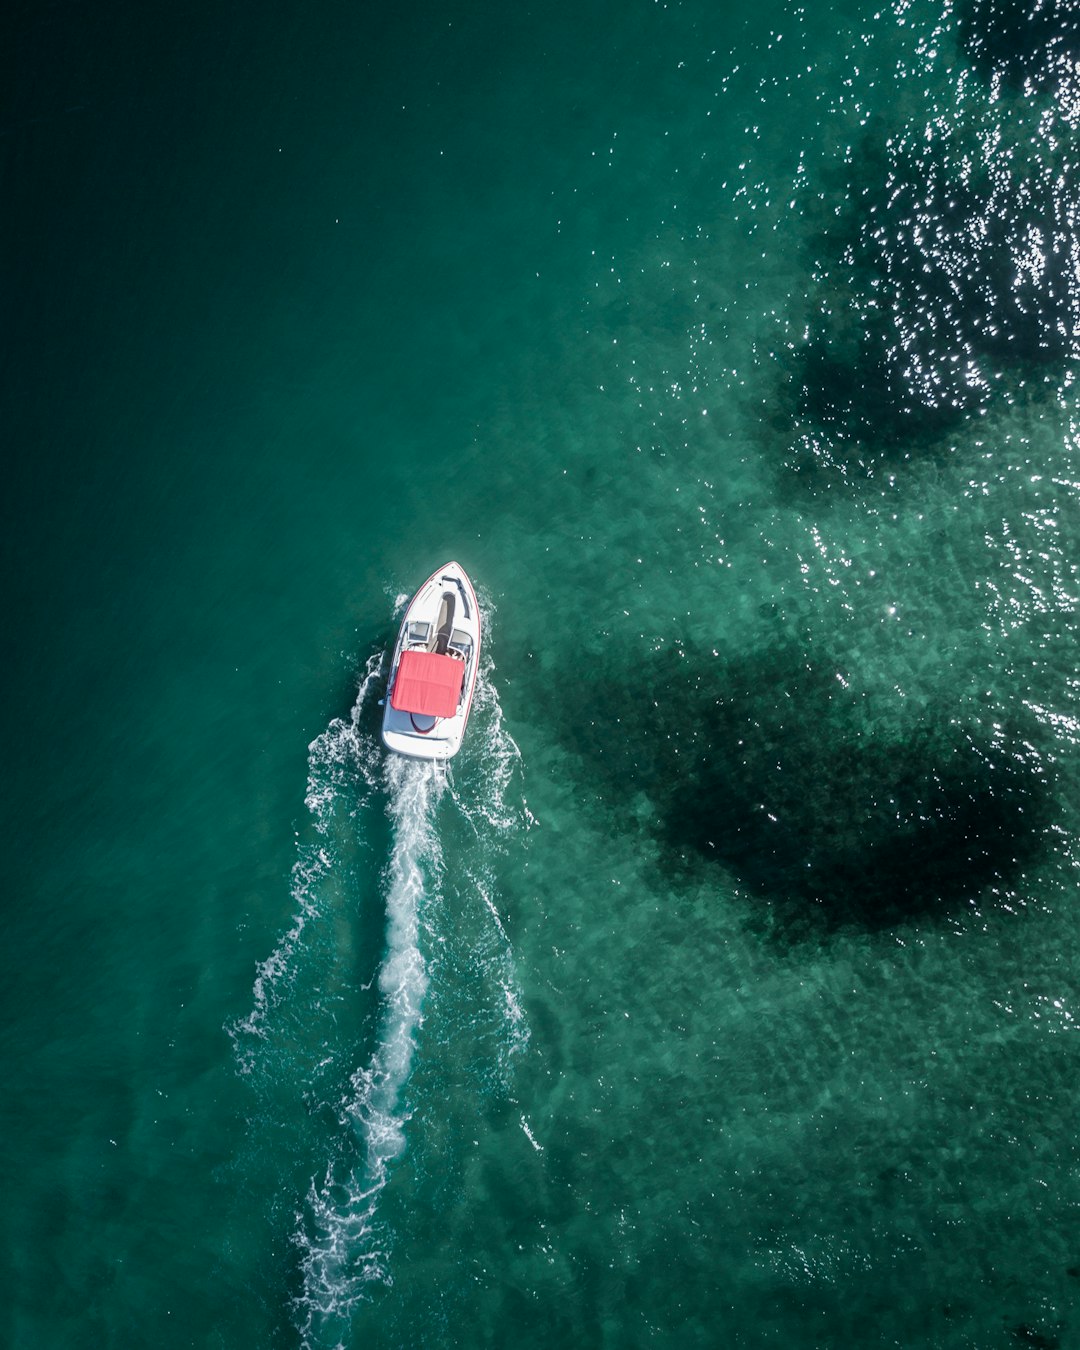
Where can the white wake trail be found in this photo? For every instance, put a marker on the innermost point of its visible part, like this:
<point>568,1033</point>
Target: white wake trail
<point>342,1249</point>
<point>310,1013</point>
<point>343,760</point>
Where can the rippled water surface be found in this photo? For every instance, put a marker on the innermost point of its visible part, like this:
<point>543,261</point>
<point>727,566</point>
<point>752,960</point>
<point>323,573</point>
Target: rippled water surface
<point>727,992</point>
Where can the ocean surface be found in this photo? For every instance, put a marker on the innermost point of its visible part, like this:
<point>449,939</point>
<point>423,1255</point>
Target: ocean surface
<point>728,992</point>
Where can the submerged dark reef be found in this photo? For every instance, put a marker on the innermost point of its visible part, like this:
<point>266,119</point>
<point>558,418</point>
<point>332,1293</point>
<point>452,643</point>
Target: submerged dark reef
<point>946,265</point>
<point>769,766</point>
<point>1029,43</point>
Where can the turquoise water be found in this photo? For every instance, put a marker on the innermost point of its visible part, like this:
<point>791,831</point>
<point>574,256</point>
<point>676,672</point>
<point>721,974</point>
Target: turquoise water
<point>728,992</point>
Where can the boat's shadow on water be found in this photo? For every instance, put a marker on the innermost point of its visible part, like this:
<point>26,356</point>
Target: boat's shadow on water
<point>377,642</point>
<point>764,769</point>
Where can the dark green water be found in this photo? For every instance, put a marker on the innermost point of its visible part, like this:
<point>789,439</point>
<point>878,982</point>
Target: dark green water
<point>728,995</point>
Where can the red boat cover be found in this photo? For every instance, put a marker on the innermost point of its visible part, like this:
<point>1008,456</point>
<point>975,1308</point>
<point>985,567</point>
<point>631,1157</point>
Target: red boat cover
<point>428,684</point>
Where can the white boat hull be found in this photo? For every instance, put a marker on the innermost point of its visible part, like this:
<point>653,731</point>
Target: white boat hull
<point>442,618</point>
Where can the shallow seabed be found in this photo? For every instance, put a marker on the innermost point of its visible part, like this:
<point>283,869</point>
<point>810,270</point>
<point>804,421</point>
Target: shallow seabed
<point>727,991</point>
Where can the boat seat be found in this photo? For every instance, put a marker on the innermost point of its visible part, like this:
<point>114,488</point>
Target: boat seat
<point>445,623</point>
<point>460,641</point>
<point>419,632</point>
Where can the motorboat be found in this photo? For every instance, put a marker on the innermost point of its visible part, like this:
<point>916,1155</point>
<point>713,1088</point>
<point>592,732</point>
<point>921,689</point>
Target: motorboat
<point>433,668</point>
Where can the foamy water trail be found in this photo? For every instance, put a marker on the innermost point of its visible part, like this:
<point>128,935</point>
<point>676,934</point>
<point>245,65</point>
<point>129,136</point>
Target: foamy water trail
<point>487,804</point>
<point>342,755</point>
<point>345,1245</point>
<point>342,1248</point>
<point>293,1033</point>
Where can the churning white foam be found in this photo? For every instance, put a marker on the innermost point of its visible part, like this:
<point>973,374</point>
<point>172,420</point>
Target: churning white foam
<point>343,1244</point>
<point>342,1249</point>
<point>343,755</point>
